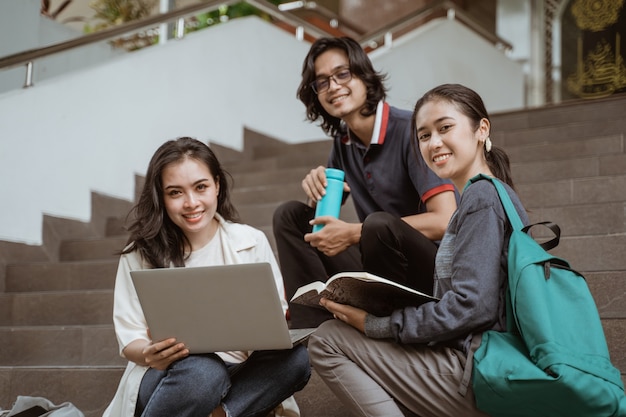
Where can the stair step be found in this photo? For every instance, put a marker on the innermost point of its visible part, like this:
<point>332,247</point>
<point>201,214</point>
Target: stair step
<point>561,201</point>
<point>614,331</point>
<point>56,308</point>
<point>613,164</point>
<point>89,388</point>
<point>611,108</point>
<point>289,159</point>
<point>277,176</point>
<point>280,149</point>
<point>530,164</point>
<point>250,166</point>
<point>317,400</point>
<point>609,293</point>
<point>561,133</point>
<point>116,226</point>
<point>559,193</point>
<point>308,160</point>
<point>542,171</point>
<point>47,276</point>
<point>561,116</point>
<point>59,346</point>
<point>584,219</point>
<point>257,215</point>
<point>594,253</point>
<point>260,215</point>
<point>92,249</point>
<point>606,145</point>
<point>266,193</point>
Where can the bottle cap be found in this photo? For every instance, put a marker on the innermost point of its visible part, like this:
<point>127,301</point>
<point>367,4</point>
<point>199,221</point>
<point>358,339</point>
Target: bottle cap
<point>335,174</point>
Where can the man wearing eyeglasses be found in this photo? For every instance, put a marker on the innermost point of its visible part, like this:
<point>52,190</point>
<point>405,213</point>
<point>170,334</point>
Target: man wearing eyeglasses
<point>403,207</point>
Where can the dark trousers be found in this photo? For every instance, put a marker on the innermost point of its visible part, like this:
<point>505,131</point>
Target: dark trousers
<point>389,247</point>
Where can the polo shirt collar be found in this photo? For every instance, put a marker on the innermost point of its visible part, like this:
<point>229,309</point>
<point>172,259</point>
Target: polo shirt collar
<point>380,125</point>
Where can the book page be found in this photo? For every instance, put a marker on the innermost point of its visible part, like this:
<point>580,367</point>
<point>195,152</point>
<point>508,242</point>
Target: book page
<point>377,298</point>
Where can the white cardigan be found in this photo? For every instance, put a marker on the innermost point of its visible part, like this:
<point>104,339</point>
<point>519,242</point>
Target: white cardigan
<point>240,244</point>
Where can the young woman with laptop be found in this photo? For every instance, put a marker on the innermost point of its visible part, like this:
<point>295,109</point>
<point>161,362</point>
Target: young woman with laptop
<point>184,218</point>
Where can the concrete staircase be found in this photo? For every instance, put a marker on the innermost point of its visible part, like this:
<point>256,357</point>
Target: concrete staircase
<point>569,163</point>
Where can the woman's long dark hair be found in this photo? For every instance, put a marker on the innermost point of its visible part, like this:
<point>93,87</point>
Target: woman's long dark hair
<point>360,67</point>
<point>471,105</point>
<point>152,233</point>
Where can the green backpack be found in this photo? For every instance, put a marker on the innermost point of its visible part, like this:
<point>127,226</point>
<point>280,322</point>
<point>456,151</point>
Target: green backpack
<point>553,359</point>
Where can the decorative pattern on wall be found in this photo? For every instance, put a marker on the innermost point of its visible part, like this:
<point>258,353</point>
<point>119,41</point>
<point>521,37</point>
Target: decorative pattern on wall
<point>550,13</point>
<point>593,60</point>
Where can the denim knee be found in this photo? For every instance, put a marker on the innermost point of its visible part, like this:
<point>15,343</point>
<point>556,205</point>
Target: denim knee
<point>204,370</point>
<point>293,368</point>
<point>266,379</point>
<point>301,366</point>
<point>190,387</point>
<point>199,382</point>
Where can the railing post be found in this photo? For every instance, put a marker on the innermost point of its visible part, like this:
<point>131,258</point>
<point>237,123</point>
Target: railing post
<point>166,28</point>
<point>29,75</point>
<point>180,28</point>
<point>389,39</point>
<point>292,5</point>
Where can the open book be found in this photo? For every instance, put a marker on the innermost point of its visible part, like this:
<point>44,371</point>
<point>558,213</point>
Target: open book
<point>374,294</point>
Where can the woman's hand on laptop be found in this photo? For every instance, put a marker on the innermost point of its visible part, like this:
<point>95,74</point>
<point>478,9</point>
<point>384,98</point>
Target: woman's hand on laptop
<point>159,355</point>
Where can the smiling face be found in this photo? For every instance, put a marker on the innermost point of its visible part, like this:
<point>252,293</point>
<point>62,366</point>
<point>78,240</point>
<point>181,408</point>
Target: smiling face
<point>450,143</point>
<point>341,101</point>
<point>190,197</point>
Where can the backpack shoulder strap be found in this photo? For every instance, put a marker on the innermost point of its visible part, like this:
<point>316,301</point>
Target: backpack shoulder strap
<point>514,218</point>
<point>517,225</point>
<point>509,208</point>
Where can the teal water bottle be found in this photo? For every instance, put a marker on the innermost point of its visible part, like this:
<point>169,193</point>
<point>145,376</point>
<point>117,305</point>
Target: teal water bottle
<point>330,204</point>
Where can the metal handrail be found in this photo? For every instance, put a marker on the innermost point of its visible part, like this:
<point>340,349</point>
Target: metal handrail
<point>307,5</point>
<point>301,25</point>
<point>275,12</point>
<point>22,58</point>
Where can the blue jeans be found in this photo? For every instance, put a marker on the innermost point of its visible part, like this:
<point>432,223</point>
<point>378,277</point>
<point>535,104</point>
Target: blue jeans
<point>196,385</point>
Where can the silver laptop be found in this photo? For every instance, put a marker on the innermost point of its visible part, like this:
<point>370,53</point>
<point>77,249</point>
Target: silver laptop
<point>216,308</point>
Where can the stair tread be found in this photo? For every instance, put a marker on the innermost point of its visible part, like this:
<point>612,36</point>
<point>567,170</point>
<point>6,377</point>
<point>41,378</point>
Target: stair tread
<point>48,367</point>
<point>58,292</point>
<point>56,327</point>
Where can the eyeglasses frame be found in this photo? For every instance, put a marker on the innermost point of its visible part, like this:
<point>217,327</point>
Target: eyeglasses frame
<point>331,77</point>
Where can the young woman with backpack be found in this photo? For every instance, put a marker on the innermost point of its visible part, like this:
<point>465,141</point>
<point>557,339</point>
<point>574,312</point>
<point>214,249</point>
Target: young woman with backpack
<point>417,358</point>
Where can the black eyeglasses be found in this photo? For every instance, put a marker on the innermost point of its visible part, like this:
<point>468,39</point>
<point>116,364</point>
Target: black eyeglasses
<point>340,77</point>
